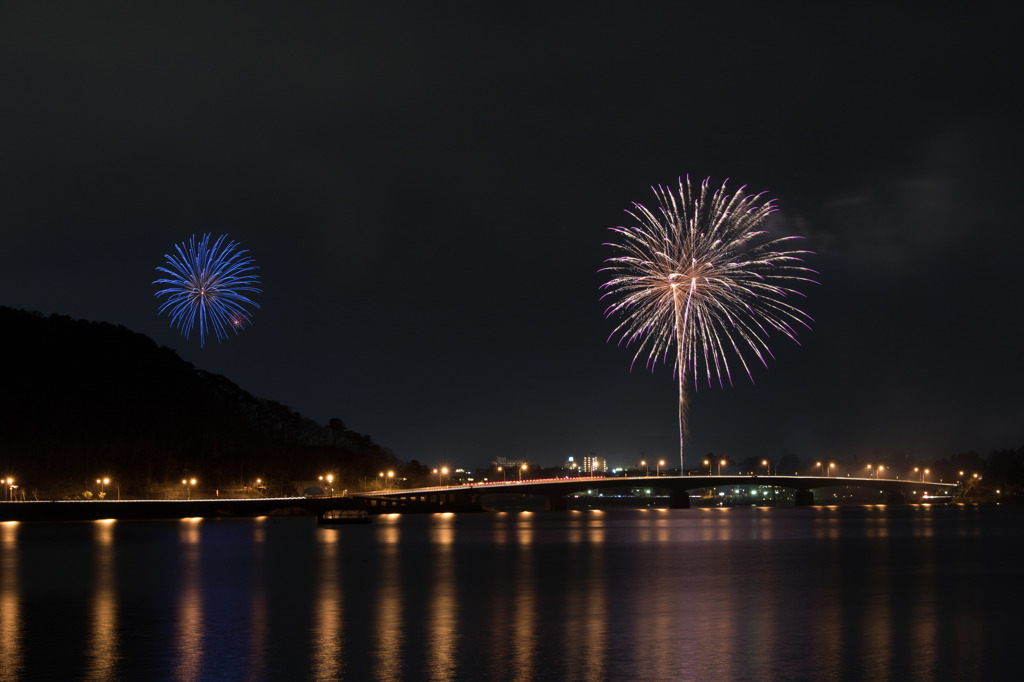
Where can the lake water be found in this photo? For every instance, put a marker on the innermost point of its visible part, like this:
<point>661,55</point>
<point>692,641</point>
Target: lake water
<point>853,593</point>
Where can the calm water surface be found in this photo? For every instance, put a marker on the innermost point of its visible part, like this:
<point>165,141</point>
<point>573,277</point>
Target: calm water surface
<point>901,593</point>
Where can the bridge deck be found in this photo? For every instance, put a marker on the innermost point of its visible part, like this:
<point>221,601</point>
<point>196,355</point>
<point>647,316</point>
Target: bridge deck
<point>566,486</point>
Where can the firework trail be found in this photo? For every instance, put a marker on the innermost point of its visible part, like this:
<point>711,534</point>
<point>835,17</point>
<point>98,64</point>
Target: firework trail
<point>696,273</point>
<point>205,287</point>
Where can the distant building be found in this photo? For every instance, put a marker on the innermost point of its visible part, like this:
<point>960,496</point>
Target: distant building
<point>592,464</point>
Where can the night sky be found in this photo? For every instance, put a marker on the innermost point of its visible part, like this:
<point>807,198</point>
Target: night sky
<point>427,188</point>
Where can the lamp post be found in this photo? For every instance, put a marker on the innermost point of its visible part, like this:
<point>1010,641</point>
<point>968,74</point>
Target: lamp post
<point>661,463</point>
<point>707,463</point>
<point>10,488</point>
<point>924,474</point>
<point>643,463</point>
<point>521,470</point>
<point>188,483</point>
<point>831,466</point>
<point>720,463</point>
<point>502,470</point>
<point>767,466</point>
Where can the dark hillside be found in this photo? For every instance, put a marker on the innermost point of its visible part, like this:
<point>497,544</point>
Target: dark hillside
<point>80,400</point>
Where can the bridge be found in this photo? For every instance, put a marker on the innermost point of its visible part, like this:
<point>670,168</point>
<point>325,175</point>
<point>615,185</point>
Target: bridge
<point>456,497</point>
<point>468,496</point>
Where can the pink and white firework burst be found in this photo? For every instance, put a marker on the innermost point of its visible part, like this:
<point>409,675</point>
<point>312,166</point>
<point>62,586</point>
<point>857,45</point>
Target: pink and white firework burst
<point>696,273</point>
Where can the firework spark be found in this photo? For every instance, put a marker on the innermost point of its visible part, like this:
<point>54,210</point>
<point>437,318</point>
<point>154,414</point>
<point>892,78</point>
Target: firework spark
<point>696,273</point>
<point>206,286</point>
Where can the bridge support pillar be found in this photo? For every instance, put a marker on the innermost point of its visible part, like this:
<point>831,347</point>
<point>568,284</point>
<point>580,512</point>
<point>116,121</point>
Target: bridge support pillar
<point>555,503</point>
<point>679,499</point>
<point>804,498</point>
<point>895,497</point>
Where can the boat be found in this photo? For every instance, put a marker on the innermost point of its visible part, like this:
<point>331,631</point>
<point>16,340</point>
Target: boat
<point>336,517</point>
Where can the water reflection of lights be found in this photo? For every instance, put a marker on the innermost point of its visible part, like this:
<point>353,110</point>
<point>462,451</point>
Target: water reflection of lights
<point>104,647</point>
<point>524,530</point>
<point>259,620</point>
<point>588,610</point>
<point>524,632</point>
<point>575,529</point>
<point>501,530</point>
<point>925,633</point>
<point>596,529</point>
<point>259,529</point>
<point>443,634</point>
<point>389,646</point>
<point>328,637</point>
<point>191,624</point>
<point>876,596</point>
<point>10,604</point>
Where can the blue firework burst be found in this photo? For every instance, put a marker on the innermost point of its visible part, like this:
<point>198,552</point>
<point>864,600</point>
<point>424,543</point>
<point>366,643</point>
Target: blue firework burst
<point>207,286</point>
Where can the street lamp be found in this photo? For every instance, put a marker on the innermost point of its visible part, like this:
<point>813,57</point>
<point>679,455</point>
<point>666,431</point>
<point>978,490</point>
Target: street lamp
<point>502,470</point>
<point>720,463</point>
<point>831,466</point>
<point>766,466</point>
<point>707,463</point>
<point>924,474</point>
<point>188,483</point>
<point>103,483</point>
<point>820,464</point>
<point>10,488</point>
<point>521,470</point>
<point>661,463</point>
<point>643,463</point>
